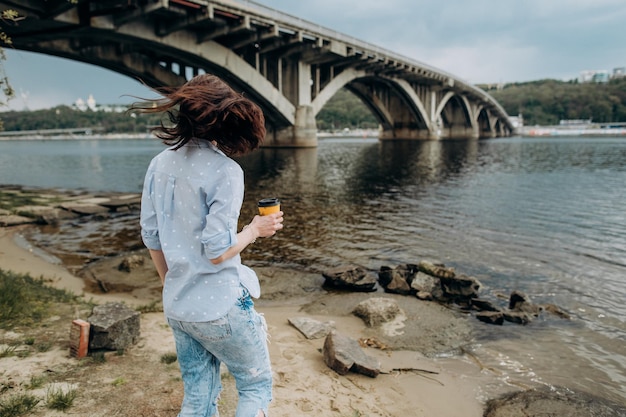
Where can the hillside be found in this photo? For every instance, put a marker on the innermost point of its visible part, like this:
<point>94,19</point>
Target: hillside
<point>546,102</point>
<point>543,102</point>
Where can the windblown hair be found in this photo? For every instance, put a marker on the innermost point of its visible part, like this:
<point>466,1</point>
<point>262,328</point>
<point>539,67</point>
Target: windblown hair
<point>207,108</point>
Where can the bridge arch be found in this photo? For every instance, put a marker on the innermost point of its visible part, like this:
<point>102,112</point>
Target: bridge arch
<point>455,117</point>
<point>280,61</point>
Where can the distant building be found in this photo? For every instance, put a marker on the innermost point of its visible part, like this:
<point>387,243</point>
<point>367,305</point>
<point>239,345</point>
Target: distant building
<point>575,122</point>
<point>619,72</point>
<point>594,76</point>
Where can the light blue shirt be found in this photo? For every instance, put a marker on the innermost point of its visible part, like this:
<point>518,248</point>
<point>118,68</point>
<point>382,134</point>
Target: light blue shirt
<point>189,209</point>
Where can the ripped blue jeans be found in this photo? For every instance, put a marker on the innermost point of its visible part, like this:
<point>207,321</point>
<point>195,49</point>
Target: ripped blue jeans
<point>239,340</point>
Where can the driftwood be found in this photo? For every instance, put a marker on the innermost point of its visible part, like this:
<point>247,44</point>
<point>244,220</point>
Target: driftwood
<point>421,372</point>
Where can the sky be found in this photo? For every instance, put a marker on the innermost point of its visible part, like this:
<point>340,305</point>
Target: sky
<point>479,41</point>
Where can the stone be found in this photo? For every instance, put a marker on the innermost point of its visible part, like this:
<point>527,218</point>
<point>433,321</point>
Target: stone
<point>310,328</point>
<point>460,287</point>
<point>483,305</point>
<point>14,220</point>
<point>436,269</point>
<point>556,310</point>
<point>397,280</point>
<point>518,317</point>
<point>517,297</point>
<point>84,208</point>
<point>427,287</point>
<point>354,278</point>
<point>343,355</point>
<point>552,401</point>
<point>114,326</point>
<point>491,317</point>
<point>130,263</point>
<point>376,311</point>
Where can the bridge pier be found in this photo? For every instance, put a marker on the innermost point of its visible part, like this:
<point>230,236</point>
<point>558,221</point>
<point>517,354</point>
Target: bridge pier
<point>408,134</point>
<point>303,134</point>
<point>460,132</point>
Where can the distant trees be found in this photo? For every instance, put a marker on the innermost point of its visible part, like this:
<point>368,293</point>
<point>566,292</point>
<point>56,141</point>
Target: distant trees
<point>542,102</point>
<point>65,117</point>
<point>345,110</point>
<point>546,102</point>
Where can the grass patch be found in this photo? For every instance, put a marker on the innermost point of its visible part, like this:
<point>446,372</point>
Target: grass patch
<point>25,300</point>
<point>118,382</point>
<point>57,399</point>
<point>18,405</point>
<point>36,381</point>
<point>153,307</point>
<point>168,358</point>
<point>10,200</point>
<point>98,357</point>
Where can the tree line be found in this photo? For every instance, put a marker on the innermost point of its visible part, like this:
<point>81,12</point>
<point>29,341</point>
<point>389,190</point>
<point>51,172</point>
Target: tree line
<point>544,102</point>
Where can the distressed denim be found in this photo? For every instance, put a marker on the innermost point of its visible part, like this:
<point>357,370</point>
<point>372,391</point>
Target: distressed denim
<point>239,340</point>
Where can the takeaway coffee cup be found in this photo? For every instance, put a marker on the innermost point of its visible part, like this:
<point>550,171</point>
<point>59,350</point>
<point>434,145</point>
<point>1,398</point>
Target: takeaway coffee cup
<point>268,206</point>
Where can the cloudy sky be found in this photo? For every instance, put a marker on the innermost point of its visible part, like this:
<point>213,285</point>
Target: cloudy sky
<point>480,41</point>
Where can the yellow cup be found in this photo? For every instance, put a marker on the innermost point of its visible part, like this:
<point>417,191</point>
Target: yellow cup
<point>268,206</point>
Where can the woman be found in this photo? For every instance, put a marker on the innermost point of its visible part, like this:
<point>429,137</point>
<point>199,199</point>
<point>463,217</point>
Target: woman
<point>190,207</point>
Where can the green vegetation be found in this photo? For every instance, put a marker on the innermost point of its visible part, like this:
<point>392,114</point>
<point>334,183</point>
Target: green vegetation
<point>57,399</point>
<point>18,405</point>
<point>25,300</point>
<point>12,199</point>
<point>345,110</point>
<point>546,102</point>
<point>542,102</point>
<point>65,117</point>
<point>168,358</point>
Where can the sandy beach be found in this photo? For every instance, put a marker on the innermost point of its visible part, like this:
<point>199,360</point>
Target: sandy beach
<point>304,385</point>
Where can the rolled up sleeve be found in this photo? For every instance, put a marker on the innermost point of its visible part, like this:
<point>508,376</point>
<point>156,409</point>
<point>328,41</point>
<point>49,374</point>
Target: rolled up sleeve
<point>148,215</point>
<point>220,231</point>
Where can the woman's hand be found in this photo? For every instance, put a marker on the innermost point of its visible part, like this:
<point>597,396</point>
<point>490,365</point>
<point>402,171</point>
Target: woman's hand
<point>268,225</point>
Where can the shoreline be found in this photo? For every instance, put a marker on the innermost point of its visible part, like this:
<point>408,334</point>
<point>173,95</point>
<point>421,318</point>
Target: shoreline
<point>303,383</point>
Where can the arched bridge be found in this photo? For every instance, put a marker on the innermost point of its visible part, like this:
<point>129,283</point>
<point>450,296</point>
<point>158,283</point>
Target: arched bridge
<point>289,66</point>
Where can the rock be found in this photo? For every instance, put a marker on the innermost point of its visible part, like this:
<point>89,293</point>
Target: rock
<point>517,297</point>
<point>376,311</point>
<point>399,279</point>
<point>518,317</point>
<point>491,317</point>
<point>436,269</point>
<point>114,326</point>
<point>556,310</point>
<point>131,262</point>
<point>44,214</point>
<point>483,305</point>
<point>460,288</point>
<point>427,287</point>
<point>354,278</point>
<point>84,208</point>
<point>310,328</point>
<point>14,220</point>
<point>552,401</point>
<point>343,355</point>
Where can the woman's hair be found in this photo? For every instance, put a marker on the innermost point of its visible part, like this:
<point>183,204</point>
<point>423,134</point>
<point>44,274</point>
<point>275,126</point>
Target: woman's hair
<point>205,107</point>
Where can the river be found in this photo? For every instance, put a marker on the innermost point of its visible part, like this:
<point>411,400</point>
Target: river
<point>542,215</point>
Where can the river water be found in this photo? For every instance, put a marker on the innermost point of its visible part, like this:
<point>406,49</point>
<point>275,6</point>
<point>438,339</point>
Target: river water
<point>545,216</point>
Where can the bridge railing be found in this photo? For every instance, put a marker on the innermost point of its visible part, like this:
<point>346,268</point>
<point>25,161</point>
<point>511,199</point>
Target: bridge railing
<point>298,24</point>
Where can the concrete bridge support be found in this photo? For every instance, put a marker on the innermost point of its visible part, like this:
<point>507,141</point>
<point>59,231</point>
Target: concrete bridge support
<point>289,66</point>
